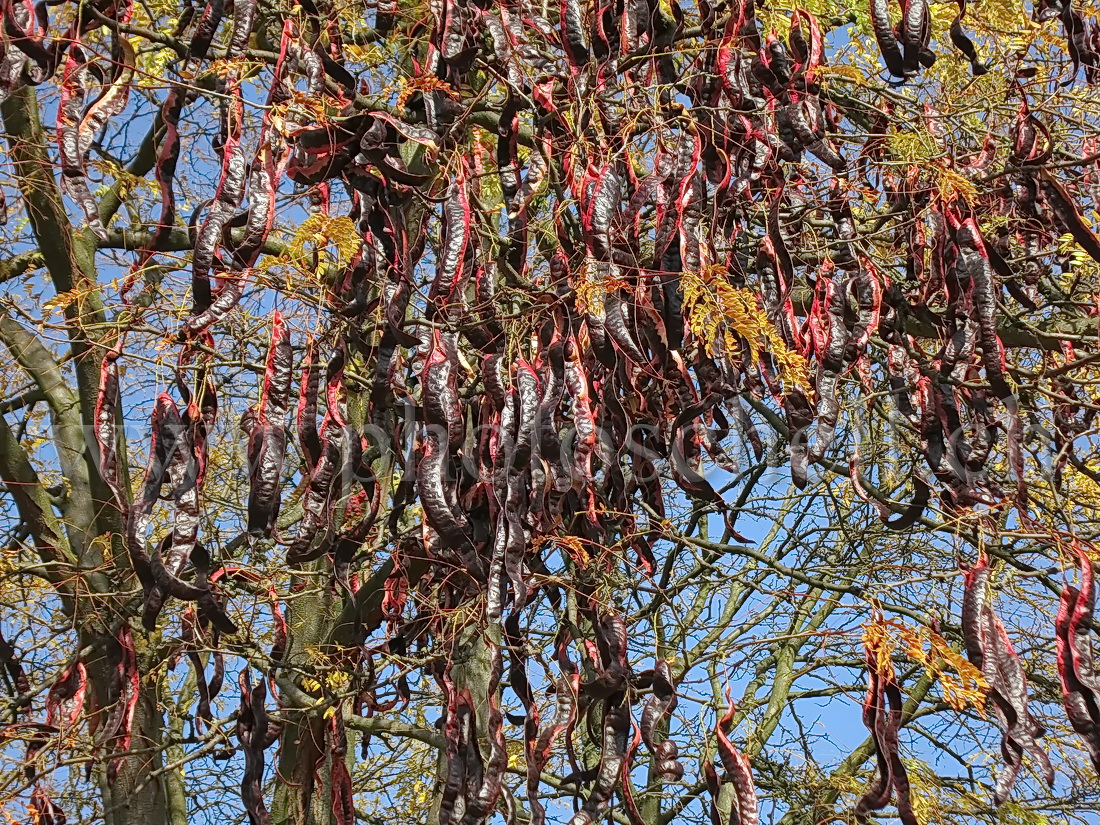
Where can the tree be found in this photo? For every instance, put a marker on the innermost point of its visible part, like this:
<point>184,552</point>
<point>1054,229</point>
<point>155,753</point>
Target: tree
<point>439,412</point>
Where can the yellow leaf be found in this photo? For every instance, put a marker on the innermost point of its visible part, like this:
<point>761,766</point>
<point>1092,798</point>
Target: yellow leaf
<point>321,231</point>
<point>965,686</point>
<point>720,313</point>
<point>59,303</point>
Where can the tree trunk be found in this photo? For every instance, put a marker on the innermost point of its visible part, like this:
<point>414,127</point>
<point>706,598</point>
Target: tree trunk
<point>471,669</point>
<point>133,793</point>
<point>134,797</point>
<point>304,793</point>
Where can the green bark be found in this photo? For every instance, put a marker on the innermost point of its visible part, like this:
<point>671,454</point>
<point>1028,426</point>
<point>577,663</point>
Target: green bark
<point>304,797</point>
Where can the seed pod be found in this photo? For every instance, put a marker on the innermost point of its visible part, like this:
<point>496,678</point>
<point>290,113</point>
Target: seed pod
<point>65,701</point>
<point>989,649</point>
<point>739,771</point>
<point>1076,671</point>
<point>265,425</point>
<point>656,712</point>
<point>882,709</point>
<point>252,729</point>
<point>884,34</point>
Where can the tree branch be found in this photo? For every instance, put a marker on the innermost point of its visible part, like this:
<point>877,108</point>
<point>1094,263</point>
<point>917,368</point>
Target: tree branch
<point>68,434</point>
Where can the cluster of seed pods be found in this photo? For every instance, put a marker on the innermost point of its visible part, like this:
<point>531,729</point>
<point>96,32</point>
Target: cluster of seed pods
<point>989,649</point>
<point>1080,687</point>
<point>64,707</point>
<point>882,713</point>
<point>553,436</point>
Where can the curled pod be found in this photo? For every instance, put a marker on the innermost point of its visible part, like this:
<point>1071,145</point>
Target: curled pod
<point>74,181</point>
<point>989,649</point>
<point>656,712</point>
<point>65,700</point>
<point>1065,209</point>
<point>226,200</point>
<point>964,44</point>
<point>915,31</point>
<point>739,772</point>
<point>105,433</point>
<point>252,729</point>
<point>169,449</point>
<point>1076,670</point>
<point>882,709</point>
<point>884,35</point>
<point>566,691</point>
<point>265,424</point>
<point>616,727</point>
<point>117,729</point>
<point>44,810</point>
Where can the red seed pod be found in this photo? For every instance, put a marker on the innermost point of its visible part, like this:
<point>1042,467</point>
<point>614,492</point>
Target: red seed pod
<point>117,730</point>
<point>656,712</point>
<point>738,770</point>
<point>1076,670</point>
<point>882,709</point>
<point>105,412</point>
<point>988,648</point>
<point>65,701</point>
<point>252,729</point>
<point>43,810</point>
<point>265,425</point>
